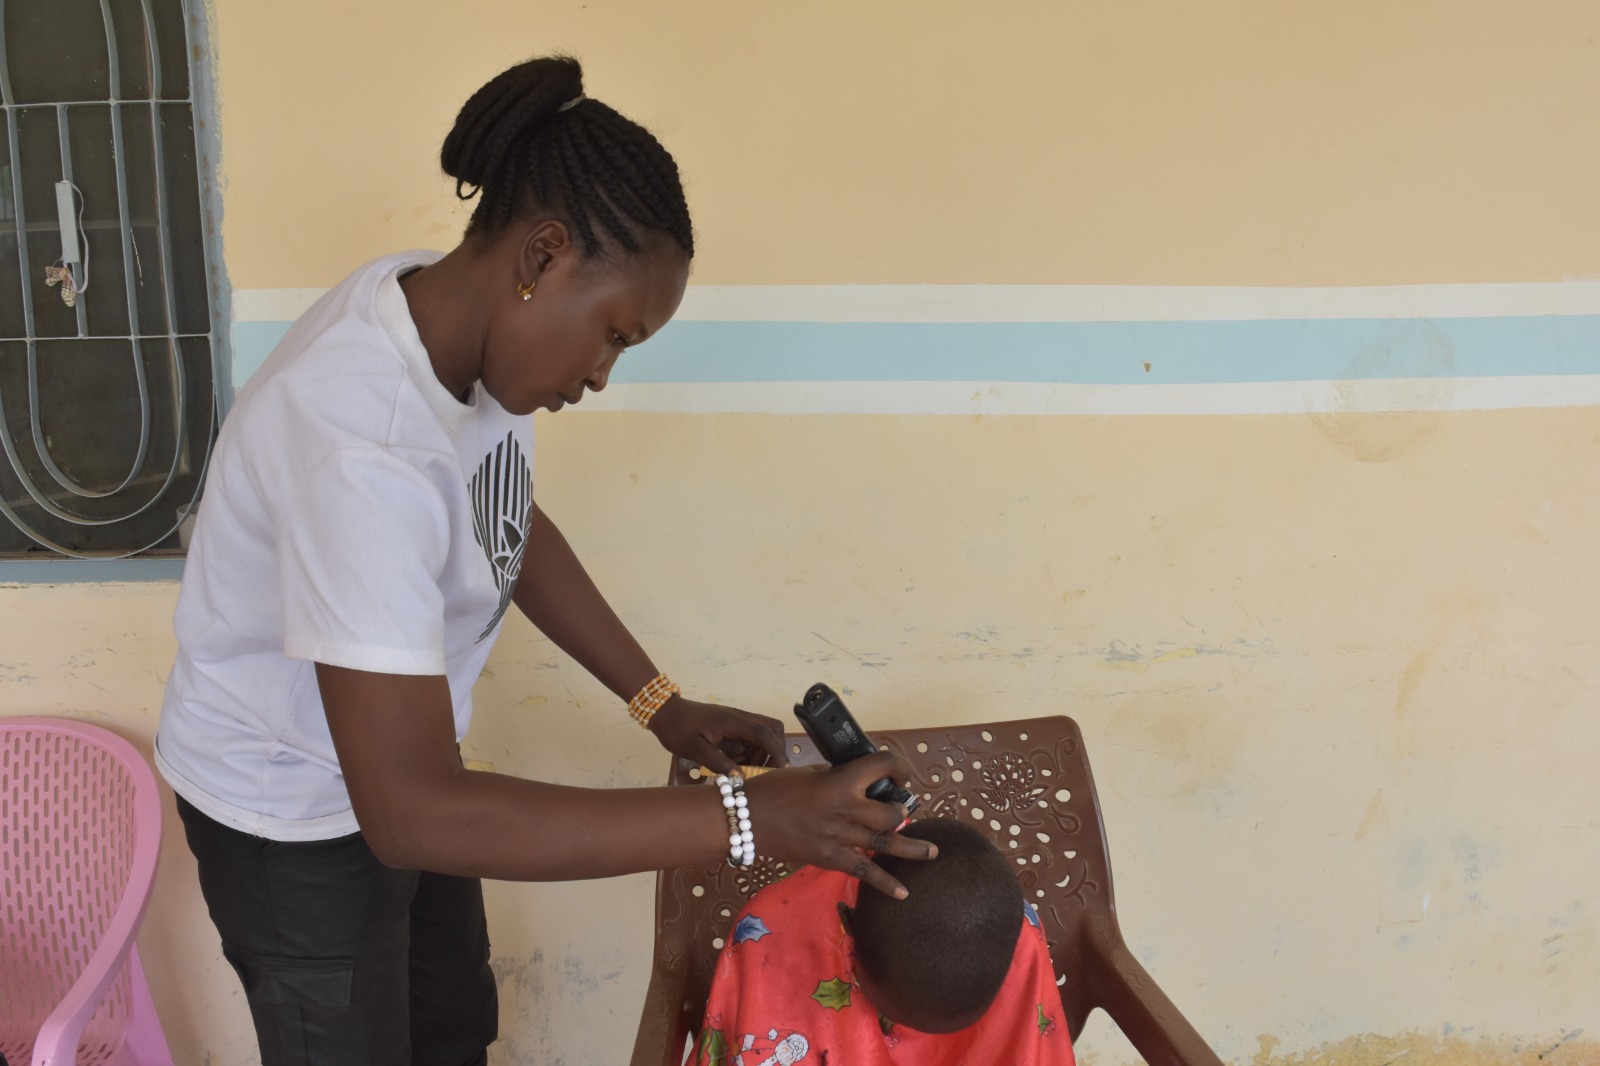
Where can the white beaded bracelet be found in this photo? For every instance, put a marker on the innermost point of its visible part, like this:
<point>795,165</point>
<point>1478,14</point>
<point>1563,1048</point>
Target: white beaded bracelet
<point>741,840</point>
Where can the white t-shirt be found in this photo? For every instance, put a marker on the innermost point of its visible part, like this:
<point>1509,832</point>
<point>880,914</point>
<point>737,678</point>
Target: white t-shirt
<point>355,514</point>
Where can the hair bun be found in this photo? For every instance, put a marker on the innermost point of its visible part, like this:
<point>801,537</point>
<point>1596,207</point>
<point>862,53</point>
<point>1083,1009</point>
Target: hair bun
<point>502,113</point>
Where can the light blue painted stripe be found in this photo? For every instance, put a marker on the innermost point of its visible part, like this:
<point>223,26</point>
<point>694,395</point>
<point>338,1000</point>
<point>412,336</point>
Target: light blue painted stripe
<point>1088,353</point>
<point>1116,353</point>
<point>252,343</point>
<point>88,571</point>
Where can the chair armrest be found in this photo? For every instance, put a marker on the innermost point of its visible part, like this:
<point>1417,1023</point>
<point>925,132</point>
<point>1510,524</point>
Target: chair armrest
<point>1150,1021</point>
<point>57,1042</point>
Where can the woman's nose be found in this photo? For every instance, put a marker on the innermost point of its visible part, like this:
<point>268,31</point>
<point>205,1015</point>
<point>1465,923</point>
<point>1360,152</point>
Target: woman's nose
<point>597,381</point>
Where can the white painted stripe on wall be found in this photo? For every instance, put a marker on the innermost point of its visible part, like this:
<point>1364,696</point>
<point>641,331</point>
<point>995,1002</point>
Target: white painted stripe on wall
<point>1067,303</point>
<point>1010,398</point>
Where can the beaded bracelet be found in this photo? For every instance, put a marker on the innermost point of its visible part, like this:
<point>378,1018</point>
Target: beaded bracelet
<point>741,841</point>
<point>651,699</point>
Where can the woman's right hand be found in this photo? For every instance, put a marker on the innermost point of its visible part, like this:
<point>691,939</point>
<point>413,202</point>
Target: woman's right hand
<point>821,816</point>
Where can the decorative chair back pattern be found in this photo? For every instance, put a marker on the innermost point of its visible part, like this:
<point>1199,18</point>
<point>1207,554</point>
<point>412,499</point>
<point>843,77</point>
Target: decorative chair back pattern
<point>1026,784</point>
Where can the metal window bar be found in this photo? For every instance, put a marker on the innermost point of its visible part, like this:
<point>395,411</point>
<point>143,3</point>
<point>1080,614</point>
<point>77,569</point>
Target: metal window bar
<point>65,143</point>
<point>171,336</point>
<point>39,443</point>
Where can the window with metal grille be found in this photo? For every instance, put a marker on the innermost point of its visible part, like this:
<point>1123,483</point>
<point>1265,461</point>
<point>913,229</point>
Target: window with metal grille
<point>108,338</point>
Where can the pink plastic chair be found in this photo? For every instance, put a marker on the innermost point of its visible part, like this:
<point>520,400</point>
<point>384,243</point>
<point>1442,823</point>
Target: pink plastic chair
<point>80,832</point>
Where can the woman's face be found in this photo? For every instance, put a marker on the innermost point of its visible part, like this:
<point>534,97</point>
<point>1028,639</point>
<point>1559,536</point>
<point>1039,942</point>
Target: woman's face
<point>548,350</point>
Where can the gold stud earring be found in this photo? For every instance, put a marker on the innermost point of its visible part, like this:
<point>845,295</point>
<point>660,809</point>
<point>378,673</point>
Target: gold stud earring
<point>526,291</point>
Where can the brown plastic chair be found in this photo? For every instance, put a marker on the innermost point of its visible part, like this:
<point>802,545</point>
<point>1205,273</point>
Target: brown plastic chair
<point>1027,785</point>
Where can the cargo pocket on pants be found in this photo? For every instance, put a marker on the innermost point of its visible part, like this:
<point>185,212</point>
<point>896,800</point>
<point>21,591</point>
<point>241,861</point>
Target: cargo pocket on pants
<point>282,990</point>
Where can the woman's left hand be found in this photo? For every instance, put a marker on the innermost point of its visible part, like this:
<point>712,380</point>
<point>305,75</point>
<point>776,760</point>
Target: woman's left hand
<point>720,738</point>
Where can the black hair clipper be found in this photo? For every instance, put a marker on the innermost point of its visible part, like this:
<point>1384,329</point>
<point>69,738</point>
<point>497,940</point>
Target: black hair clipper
<point>832,728</point>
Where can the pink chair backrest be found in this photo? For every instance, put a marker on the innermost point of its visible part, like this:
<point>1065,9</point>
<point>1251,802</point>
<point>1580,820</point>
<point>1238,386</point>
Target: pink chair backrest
<point>80,822</point>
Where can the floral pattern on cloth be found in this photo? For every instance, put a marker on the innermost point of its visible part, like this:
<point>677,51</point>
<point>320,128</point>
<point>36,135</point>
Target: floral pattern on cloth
<point>785,992</point>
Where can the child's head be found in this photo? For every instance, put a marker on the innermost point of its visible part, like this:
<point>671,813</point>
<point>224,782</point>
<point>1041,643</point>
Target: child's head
<point>935,960</point>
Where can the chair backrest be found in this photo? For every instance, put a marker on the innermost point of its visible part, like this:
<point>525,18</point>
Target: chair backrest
<point>80,832</point>
<point>1026,784</point>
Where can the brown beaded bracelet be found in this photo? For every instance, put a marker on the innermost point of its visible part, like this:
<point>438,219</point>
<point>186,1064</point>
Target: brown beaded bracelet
<point>651,699</point>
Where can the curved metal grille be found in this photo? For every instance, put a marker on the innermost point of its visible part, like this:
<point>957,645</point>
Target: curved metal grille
<point>108,395</point>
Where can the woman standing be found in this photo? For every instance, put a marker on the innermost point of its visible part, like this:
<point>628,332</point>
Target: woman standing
<point>368,522</point>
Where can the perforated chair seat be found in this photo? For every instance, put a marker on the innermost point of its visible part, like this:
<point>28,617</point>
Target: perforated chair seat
<point>1027,785</point>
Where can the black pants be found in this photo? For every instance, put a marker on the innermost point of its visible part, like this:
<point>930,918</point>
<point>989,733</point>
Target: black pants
<point>346,962</point>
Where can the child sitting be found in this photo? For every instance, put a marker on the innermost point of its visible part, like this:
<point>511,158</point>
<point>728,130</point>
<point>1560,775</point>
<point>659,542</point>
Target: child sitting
<point>956,973</point>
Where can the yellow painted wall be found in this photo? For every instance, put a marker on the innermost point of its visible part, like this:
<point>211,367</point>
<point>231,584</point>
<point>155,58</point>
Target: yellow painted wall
<point>1364,807</point>
<point>902,141</point>
<point>1336,673</point>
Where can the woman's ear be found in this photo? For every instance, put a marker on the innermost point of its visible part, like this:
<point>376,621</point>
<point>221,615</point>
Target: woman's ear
<point>542,245</point>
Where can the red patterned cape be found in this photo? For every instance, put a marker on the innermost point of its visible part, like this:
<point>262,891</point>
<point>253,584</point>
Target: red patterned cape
<point>784,992</point>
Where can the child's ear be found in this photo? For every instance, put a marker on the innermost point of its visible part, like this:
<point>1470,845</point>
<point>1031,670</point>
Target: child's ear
<point>846,917</point>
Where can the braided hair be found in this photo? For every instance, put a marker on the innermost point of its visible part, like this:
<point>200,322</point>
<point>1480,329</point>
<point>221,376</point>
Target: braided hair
<point>522,145</point>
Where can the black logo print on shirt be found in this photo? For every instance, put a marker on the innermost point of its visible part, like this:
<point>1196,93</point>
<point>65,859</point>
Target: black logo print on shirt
<point>502,500</point>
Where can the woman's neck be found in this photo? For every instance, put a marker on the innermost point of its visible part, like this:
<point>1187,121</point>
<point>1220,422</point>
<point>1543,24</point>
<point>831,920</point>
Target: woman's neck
<point>447,305</point>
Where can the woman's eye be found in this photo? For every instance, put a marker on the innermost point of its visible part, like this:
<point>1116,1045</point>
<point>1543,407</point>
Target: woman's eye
<point>619,340</point>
